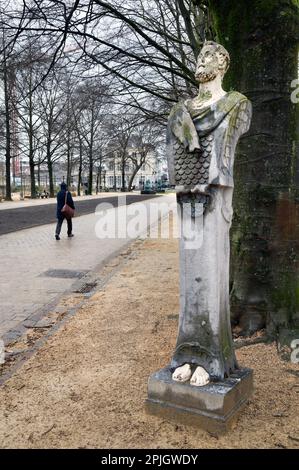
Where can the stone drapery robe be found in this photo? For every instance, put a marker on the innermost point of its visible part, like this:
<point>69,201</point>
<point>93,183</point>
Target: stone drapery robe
<point>200,147</point>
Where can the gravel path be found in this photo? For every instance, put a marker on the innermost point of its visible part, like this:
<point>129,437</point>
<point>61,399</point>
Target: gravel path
<point>87,385</point>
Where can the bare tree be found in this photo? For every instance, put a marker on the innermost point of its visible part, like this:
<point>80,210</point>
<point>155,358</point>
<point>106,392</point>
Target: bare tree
<point>90,114</point>
<point>121,129</point>
<point>26,75</point>
<point>52,100</point>
<point>148,46</point>
<point>7,37</point>
<point>5,75</point>
<point>145,140</point>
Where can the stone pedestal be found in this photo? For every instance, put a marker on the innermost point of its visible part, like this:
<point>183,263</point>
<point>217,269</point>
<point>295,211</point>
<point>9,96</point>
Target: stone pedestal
<point>212,407</point>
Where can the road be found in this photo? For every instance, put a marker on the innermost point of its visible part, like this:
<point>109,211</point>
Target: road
<point>21,218</point>
<point>36,269</point>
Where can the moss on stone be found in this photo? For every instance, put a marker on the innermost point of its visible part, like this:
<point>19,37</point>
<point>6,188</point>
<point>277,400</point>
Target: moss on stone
<point>285,299</point>
<point>186,132</point>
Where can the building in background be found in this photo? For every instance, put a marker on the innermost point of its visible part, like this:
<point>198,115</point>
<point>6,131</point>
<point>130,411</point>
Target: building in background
<point>153,172</point>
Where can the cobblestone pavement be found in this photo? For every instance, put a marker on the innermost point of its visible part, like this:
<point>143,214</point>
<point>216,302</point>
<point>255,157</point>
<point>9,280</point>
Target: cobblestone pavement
<point>30,257</point>
<point>21,217</point>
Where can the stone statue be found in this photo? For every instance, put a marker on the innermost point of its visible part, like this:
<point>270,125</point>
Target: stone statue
<point>202,137</point>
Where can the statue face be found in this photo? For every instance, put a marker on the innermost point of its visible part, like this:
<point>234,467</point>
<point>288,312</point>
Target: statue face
<point>210,63</point>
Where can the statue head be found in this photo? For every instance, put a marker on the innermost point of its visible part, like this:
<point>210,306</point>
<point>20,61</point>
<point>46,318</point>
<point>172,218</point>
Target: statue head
<point>212,60</point>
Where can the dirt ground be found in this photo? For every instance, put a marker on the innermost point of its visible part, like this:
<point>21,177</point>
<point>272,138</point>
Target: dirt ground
<point>87,385</point>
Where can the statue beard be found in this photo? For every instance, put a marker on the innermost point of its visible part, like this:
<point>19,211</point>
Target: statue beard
<point>206,76</point>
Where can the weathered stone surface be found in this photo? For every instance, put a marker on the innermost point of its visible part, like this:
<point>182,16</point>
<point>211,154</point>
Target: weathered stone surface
<point>202,135</point>
<point>201,139</point>
<point>213,407</point>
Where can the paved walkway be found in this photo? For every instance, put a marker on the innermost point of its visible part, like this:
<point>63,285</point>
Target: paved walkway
<point>42,202</point>
<point>27,256</point>
<point>39,214</point>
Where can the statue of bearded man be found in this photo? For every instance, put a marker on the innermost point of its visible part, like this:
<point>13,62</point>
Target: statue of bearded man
<point>202,136</point>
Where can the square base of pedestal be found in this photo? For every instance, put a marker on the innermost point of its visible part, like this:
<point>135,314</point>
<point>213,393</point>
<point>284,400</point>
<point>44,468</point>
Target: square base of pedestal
<point>213,407</point>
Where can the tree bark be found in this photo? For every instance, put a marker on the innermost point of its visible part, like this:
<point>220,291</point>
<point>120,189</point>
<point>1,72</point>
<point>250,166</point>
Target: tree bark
<point>30,138</point>
<point>32,176</point>
<point>123,172</point>
<point>90,173</point>
<point>99,180</point>
<point>50,173</point>
<point>90,157</point>
<point>80,167</point>
<point>137,164</point>
<point>7,132</point>
<point>31,164</point>
<point>49,159</point>
<point>135,171</point>
<point>68,157</point>
<point>262,39</point>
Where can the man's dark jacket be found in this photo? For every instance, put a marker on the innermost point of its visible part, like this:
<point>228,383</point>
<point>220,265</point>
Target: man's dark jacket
<point>61,202</point>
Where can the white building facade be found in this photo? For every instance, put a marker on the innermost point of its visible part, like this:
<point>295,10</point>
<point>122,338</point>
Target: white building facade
<point>153,171</point>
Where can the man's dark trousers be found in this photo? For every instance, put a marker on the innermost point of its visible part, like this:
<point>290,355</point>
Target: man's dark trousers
<point>59,224</point>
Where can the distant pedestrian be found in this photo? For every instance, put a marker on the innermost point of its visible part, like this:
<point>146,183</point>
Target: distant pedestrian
<point>64,196</point>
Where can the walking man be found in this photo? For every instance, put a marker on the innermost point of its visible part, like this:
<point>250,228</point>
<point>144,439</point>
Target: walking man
<point>64,196</point>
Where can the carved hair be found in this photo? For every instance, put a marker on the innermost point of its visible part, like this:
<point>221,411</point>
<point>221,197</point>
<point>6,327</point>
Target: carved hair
<point>219,48</point>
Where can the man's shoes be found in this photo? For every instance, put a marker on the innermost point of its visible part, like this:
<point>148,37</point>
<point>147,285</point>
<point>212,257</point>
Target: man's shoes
<point>71,235</point>
<point>57,237</point>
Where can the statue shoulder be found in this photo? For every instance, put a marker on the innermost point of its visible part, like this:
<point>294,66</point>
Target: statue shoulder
<point>240,115</point>
<point>178,108</point>
<point>235,98</point>
<point>240,106</point>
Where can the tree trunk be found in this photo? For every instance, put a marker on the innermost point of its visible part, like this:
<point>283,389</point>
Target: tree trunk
<point>68,159</point>
<point>32,176</point>
<point>91,142</point>
<point>114,175</point>
<point>262,39</point>
<point>31,163</point>
<point>80,168</point>
<point>38,174</point>
<point>30,138</point>
<point>7,133</point>
<point>90,173</point>
<point>50,163</point>
<point>50,173</point>
<point>123,172</point>
<point>135,171</point>
<point>99,180</point>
